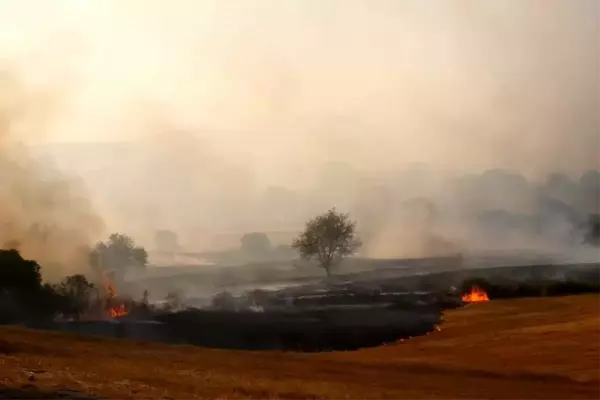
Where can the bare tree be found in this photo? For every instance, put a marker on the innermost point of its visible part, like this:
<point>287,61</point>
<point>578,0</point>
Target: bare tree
<point>328,238</point>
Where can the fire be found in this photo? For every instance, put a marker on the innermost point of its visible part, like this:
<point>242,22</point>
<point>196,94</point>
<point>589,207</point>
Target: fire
<point>116,311</point>
<point>475,295</point>
<point>109,286</point>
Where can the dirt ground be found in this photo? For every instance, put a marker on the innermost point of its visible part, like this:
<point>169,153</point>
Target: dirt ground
<point>525,348</point>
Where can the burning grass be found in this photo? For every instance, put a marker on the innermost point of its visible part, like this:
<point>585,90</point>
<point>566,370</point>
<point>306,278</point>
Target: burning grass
<point>525,348</point>
<point>475,295</point>
<point>115,307</point>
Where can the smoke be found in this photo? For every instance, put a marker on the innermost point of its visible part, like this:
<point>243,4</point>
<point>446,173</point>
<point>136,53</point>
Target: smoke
<point>253,116</point>
<point>43,213</point>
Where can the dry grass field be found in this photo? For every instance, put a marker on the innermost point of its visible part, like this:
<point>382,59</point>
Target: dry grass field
<point>526,348</point>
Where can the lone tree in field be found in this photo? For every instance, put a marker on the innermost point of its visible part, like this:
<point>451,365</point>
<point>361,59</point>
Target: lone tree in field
<point>328,238</point>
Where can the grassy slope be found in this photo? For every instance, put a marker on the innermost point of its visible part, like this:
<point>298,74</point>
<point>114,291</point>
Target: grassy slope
<point>529,348</point>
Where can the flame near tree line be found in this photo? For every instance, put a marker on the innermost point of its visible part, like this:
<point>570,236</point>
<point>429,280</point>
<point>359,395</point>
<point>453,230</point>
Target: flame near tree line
<point>475,295</point>
<point>114,311</point>
<point>118,311</point>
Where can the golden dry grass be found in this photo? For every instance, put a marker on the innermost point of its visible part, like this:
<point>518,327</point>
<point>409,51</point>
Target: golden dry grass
<point>526,348</point>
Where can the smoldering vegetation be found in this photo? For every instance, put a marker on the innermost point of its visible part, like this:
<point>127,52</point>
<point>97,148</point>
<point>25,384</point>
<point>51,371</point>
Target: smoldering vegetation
<point>360,310</point>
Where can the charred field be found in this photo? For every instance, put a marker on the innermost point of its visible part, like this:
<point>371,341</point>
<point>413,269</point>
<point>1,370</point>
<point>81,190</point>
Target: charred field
<point>511,348</point>
<point>348,313</point>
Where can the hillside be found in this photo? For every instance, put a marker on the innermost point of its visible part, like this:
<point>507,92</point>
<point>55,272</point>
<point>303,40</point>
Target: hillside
<point>526,348</point>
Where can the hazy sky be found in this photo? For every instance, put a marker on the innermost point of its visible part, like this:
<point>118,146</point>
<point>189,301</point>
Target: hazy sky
<point>462,84</point>
<point>230,97</point>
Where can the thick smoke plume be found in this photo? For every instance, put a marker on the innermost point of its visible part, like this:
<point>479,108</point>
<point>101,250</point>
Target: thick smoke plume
<point>43,213</point>
<point>252,116</point>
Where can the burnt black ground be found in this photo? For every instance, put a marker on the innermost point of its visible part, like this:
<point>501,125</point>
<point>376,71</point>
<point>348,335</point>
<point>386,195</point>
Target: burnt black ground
<point>33,392</point>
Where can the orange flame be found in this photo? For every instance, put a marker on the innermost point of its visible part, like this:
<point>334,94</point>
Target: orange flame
<point>116,311</point>
<point>109,286</point>
<point>475,295</point>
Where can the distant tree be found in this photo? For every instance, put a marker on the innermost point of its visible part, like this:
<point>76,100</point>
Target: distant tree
<point>119,252</point>
<point>283,252</point>
<point>328,238</point>
<point>256,245</point>
<point>560,187</point>
<point>591,230</point>
<point>166,241</point>
<point>590,181</point>
<point>174,301</point>
<point>78,294</point>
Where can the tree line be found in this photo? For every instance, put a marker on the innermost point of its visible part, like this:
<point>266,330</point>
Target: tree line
<point>327,239</point>
<point>25,297</point>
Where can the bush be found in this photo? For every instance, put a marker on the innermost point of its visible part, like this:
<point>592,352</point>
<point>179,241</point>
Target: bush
<point>23,297</point>
<point>76,295</point>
